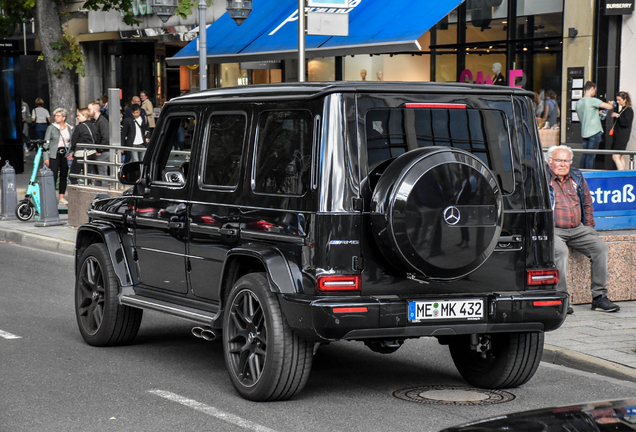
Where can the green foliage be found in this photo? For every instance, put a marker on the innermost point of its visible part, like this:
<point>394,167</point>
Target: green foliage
<point>14,13</point>
<point>69,54</point>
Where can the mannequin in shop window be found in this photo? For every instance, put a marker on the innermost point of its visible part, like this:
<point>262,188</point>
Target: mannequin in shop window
<point>499,79</point>
<point>363,74</point>
<point>380,75</point>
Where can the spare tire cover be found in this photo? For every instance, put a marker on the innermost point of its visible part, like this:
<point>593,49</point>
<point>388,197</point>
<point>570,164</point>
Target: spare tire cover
<point>437,212</point>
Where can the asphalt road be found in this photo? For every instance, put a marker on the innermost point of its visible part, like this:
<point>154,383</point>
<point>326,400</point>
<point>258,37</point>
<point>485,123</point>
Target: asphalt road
<point>50,380</point>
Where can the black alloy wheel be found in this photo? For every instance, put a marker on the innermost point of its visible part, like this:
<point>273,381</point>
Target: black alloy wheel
<point>266,361</point>
<point>25,210</point>
<point>101,319</point>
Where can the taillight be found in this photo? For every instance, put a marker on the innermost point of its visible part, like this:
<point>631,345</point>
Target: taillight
<point>339,283</point>
<point>349,309</point>
<point>547,302</point>
<point>542,277</point>
<point>435,105</point>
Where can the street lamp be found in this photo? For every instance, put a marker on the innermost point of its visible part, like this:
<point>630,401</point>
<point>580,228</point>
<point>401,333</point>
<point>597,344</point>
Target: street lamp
<point>164,8</point>
<point>239,10</point>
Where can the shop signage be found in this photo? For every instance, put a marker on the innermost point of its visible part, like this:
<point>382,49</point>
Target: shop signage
<point>619,7</point>
<point>467,76</point>
<point>614,198</point>
<point>8,46</point>
<point>141,7</point>
<point>328,3</point>
<point>294,16</point>
<point>264,64</point>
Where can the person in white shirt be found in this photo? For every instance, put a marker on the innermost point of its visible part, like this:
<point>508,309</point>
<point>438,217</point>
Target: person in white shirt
<point>41,117</point>
<point>135,132</point>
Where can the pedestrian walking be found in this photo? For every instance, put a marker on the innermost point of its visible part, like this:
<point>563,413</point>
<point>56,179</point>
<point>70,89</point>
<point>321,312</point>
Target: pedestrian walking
<point>135,132</point>
<point>551,110</point>
<point>41,117</point>
<point>103,137</point>
<point>622,129</point>
<point>591,127</point>
<point>149,109</point>
<point>574,226</point>
<point>55,154</point>
<point>84,133</point>
<point>26,122</point>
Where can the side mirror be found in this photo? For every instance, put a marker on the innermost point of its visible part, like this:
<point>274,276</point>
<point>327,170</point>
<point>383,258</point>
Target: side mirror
<point>130,173</point>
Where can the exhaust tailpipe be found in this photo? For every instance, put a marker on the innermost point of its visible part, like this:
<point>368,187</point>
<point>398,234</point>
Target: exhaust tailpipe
<point>205,333</point>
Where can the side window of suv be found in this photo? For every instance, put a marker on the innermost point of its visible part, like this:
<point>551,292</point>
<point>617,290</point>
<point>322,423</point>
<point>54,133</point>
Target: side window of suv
<point>484,133</point>
<point>224,149</point>
<point>173,158</point>
<point>283,157</point>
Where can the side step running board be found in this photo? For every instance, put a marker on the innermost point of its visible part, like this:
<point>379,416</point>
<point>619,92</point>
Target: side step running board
<point>196,315</point>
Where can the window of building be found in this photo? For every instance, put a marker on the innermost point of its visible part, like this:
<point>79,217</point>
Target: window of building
<point>224,149</point>
<point>283,158</point>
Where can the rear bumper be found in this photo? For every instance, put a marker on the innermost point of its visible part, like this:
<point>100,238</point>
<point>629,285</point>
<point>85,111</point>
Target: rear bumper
<point>356,318</point>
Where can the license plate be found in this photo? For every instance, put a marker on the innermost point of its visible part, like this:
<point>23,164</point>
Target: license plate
<point>446,309</point>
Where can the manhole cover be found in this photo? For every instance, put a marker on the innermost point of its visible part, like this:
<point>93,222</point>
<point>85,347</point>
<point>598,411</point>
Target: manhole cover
<point>444,395</point>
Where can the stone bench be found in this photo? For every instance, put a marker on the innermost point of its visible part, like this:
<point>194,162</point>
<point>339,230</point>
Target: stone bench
<point>621,268</point>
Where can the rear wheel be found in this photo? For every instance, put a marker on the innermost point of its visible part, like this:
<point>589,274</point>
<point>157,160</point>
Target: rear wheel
<point>25,210</point>
<point>511,361</point>
<point>101,319</point>
<point>266,361</point>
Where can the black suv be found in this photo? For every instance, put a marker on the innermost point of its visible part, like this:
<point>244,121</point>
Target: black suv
<point>279,217</point>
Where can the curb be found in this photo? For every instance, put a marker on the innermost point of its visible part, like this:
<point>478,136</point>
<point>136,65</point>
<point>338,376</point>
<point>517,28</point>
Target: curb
<point>35,241</point>
<point>587,363</point>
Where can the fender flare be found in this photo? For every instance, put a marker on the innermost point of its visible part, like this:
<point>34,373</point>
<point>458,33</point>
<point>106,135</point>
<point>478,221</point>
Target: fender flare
<point>110,237</point>
<point>284,275</point>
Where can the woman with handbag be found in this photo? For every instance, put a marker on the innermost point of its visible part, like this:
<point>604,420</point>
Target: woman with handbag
<point>622,129</point>
<point>84,133</point>
<point>58,136</point>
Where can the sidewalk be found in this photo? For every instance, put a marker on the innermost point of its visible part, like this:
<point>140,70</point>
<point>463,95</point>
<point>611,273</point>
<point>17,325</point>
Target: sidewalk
<point>596,342</point>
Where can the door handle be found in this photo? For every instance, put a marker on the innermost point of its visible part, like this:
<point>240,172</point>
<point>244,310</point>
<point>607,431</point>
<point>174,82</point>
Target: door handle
<point>228,231</point>
<point>510,239</point>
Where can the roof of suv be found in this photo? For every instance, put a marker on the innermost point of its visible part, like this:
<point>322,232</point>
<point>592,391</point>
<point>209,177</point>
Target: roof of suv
<point>316,89</point>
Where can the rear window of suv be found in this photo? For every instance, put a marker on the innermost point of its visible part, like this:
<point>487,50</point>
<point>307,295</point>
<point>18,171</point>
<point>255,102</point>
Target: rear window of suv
<point>484,133</point>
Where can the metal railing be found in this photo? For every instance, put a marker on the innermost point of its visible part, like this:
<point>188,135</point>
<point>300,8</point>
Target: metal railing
<point>115,162</point>
<point>629,153</point>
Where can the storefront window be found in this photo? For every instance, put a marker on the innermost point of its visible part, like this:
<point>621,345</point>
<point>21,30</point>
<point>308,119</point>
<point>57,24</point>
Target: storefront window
<point>485,22</point>
<point>7,100</point>
<point>541,63</point>
<point>322,69</point>
<point>446,29</point>
<point>446,67</point>
<point>232,75</point>
<point>483,65</point>
<point>539,18</point>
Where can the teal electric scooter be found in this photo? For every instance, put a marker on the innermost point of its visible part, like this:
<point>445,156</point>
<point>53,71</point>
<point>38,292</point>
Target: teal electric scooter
<point>30,205</point>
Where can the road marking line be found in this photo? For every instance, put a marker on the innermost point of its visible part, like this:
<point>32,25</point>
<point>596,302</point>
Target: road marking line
<point>6,335</point>
<point>209,410</point>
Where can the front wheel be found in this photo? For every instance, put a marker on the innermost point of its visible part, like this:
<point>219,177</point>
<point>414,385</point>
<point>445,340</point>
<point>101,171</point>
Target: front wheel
<point>101,319</point>
<point>266,361</point>
<point>511,361</point>
<point>25,210</point>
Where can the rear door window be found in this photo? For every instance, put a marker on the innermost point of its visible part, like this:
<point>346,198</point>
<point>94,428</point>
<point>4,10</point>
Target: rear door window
<point>283,158</point>
<point>484,133</point>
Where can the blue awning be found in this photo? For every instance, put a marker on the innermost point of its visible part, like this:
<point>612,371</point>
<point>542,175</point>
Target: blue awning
<point>271,31</point>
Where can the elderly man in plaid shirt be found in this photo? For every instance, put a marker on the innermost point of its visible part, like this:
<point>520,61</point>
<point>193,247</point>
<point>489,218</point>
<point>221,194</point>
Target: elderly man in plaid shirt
<point>574,225</point>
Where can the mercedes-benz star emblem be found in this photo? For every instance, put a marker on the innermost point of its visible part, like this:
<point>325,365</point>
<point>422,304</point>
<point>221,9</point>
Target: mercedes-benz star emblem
<point>451,215</point>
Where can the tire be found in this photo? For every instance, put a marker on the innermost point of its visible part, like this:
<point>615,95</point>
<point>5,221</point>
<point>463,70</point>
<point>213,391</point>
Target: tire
<point>266,361</point>
<point>512,360</point>
<point>101,319</point>
<point>426,205</point>
<point>24,210</point>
